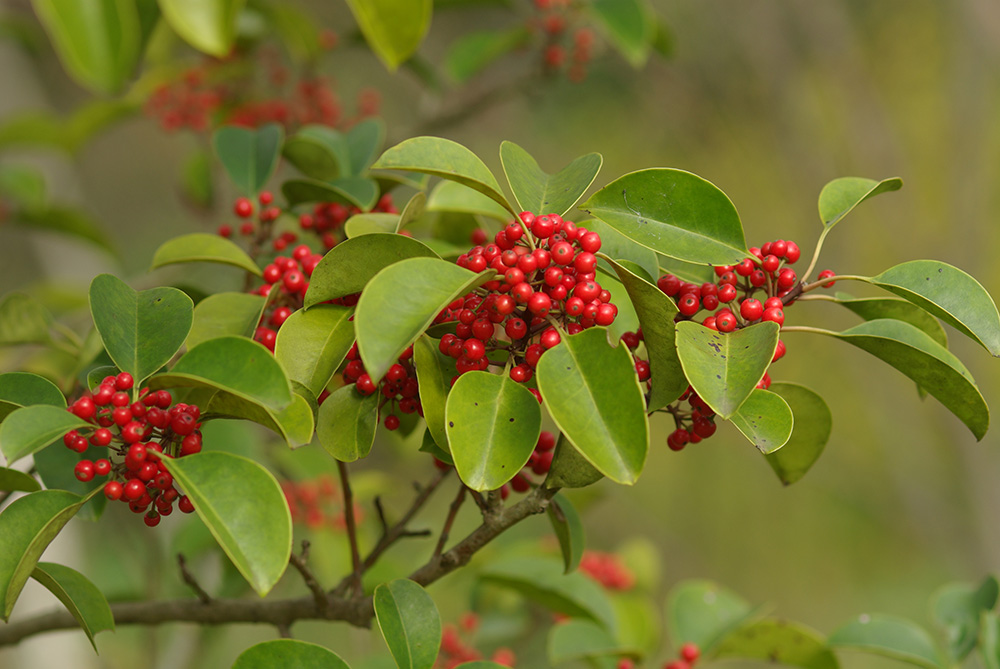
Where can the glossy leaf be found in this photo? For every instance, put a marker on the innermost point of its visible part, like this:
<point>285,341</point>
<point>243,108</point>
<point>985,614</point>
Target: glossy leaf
<point>428,445</point>
<point>367,224</point>
<point>617,246</point>
<point>207,25</point>
<point>359,192</point>
<point>393,28</point>
<point>249,156</point>
<point>446,159</point>
<point>703,613</point>
<point>541,579</point>
<point>32,428</point>
<point>225,314</point>
<point>810,432</point>
<point>434,373</point>
<point>871,308</point>
<point>21,389</point>
<point>473,52</point>
<point>203,247</point>
<point>579,640</point>
<point>542,193</point>
<point>67,221</point>
<point>141,331</point>
<point>569,469</point>
<point>410,623</point>
<point>492,423</point>
<point>958,608</point>
<point>890,636</point>
<point>349,266</point>
<point>656,314</point>
<point>948,293</point>
<point>312,344</point>
<point>294,423</point>
<point>13,479</point>
<point>839,197</point>
<point>23,320</point>
<point>765,419</point>
<point>288,654</point>
<point>243,507</point>
<point>724,368</point>
<point>81,598</point>
<point>605,415</point>
<point>453,196</point>
<point>778,641</point>
<point>319,152</point>
<point>630,26</point>
<point>568,528</point>
<point>97,42</point>
<point>386,325</point>
<point>28,525</point>
<point>672,212</point>
<point>933,367</point>
<point>346,423</point>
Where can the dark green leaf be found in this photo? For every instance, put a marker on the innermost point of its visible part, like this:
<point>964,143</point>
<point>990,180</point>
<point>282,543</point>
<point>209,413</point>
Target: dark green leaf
<point>871,308</point>
<point>249,156</point>
<point>673,212</point>
<point>203,247</point>
<point>839,197</point>
<point>288,654</point>
<point>434,374</point>
<point>570,469</point>
<point>428,445</point>
<point>32,428</point>
<point>359,192</point>
<point>294,423</point>
<point>54,465</point>
<point>81,598</point>
<point>703,613</point>
<point>579,640</point>
<point>810,432</point>
<point>66,221</point>
<point>474,51</point>
<point>12,479</point>
<point>21,389</point>
<point>542,193</point>
<point>693,272</point>
<point>243,507</point>
<point>630,26</point>
<point>893,637</point>
<point>23,320</point>
<point>207,25</point>
<point>617,246</point>
<point>364,141</point>
<point>410,623</point>
<point>724,368</point>
<point>312,344</point>
<point>778,641</point>
<point>765,419</point>
<point>346,423</point>
<point>319,152</point>
<point>958,608</point>
<point>393,28</point>
<point>225,314</point>
<point>568,527</point>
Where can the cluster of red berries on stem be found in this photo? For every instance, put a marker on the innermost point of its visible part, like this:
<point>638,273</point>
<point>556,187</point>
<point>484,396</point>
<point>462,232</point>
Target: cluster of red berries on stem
<point>317,503</point>
<point>561,44</point>
<point>326,219</point>
<point>188,102</point>
<point>138,433</point>
<point>455,650</point>
<point>245,209</point>
<point>607,569</point>
<point>286,281</point>
<point>398,387</point>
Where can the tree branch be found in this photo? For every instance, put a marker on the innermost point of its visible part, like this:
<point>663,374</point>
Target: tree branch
<point>352,530</point>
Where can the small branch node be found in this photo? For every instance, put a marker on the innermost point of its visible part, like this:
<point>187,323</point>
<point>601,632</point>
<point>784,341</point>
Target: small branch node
<point>191,582</point>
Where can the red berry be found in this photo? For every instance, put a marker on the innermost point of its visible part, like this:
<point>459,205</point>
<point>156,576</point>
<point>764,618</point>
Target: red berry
<point>773,303</point>
<point>243,208</point>
<point>669,284</point>
<point>365,385</point>
<point>725,321</point>
<point>590,242</point>
<point>391,422</point>
<point>185,504</point>
<point>124,381</point>
<point>770,263</point>
<point>792,252</point>
<point>550,338</point>
<point>84,470</point>
<point>689,304</point>
<point>642,369</point>
<point>751,309</point>
<point>787,278</point>
<point>102,467</point>
<point>134,489</point>
<point>745,268</point>
<point>774,314</point>
<point>265,198</point>
<point>84,407</point>
<point>727,293</point>
<point>690,652</point>
<point>113,490</point>
<point>826,274</point>
<point>540,304</point>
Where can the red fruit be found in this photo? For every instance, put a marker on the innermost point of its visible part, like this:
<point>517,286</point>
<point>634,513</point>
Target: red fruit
<point>294,281</point>
<point>585,262</point>
<point>770,263</point>
<point>562,253</point>
<point>758,278</point>
<point>103,395</point>
<point>631,339</point>
<point>101,437</point>
<point>787,278</point>
<point>727,293</point>
<point>483,328</point>
<point>134,489</point>
<point>588,291</point>
<point>590,242</point>
<point>124,381</point>
<point>546,441</point>
<point>113,490</point>
<point>185,504</point>
<point>678,439</point>
<point>688,304</point>
<point>779,248</point>
<point>520,373</point>
<point>243,208</point>
<point>183,424</point>
<point>642,369</point>
<point>826,274</point>
<point>365,385</point>
<point>543,227</point>
<point>532,354</point>
<point>751,309</point>
<point>725,321</point>
<point>152,519</point>
<point>775,315</point>
<point>606,314</point>
<point>779,351</point>
<point>84,470</point>
<point>690,652</point>
<point>550,338</point>
<point>391,422</point>
<point>540,304</point>
<point>162,480</point>
<point>773,303</point>
<point>84,408</point>
<point>102,467</point>
<point>472,348</point>
<point>515,328</point>
<point>522,292</point>
<point>745,268</point>
<point>669,284</point>
<point>792,252</point>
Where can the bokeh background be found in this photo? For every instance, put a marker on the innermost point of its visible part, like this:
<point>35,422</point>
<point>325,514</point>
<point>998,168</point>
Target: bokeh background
<point>769,100</point>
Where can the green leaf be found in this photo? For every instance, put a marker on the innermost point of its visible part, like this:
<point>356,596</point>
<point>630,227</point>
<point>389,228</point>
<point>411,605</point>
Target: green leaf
<point>765,419</point>
<point>97,42</point>
<point>888,636</point>
<point>810,432</point>
<point>249,156</point>
<point>989,640</point>
<point>196,179</point>
<point>367,224</point>
<point>81,598</point>
<point>724,368</point>
<point>568,527</point>
<point>358,192</point>
<point>474,51</point>
<point>410,623</point>
<point>703,613</point>
<point>428,445</point>
<point>27,526</point>
<point>605,414</point>
<point>54,465</point>
<point>839,197</point>
<point>235,365</point>
<point>23,320</point>
<point>579,640</point>
<point>32,428</point>
<point>948,293</point>
<point>778,641</point>
<point>541,580</point>
<point>364,141</point>
<point>288,654</point>
<point>570,469</point>
<point>672,212</point>
<point>294,423</point>
<point>933,367</point>
<point>870,308</point>
<point>434,373</point>
<point>346,423</point>
<point>207,25</point>
<point>386,325</point>
<point>203,247</point>
<point>656,314</point>
<point>12,479</point>
<point>492,423</point>
<point>453,196</point>
<point>639,624</point>
<point>693,272</point>
<point>225,314</point>
<point>541,193</point>
<point>958,608</point>
<point>298,31</point>
<point>446,159</point>
<point>393,28</point>
<point>66,221</point>
<point>243,507</point>
<point>312,344</point>
<point>141,331</point>
<point>617,246</point>
<point>630,25</point>
<point>23,186</point>
<point>319,152</point>
<point>21,389</point>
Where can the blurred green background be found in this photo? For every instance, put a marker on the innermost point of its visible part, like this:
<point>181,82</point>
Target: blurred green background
<point>769,100</point>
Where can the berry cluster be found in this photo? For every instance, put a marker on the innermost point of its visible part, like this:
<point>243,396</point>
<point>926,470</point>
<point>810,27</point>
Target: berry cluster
<point>266,215</point>
<point>607,569</point>
<point>327,218</point>
<point>545,284</point>
<point>538,463</point>
<point>455,650</point>
<point>188,102</point>
<point>137,434</point>
<point>398,387</point>
<point>285,283</point>
<point>312,101</point>
<point>561,44</point>
<point>317,503</point>
<point>687,656</point>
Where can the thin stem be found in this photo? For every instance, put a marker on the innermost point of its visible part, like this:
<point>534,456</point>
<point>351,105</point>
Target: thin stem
<point>806,328</point>
<point>191,582</point>
<point>299,562</point>
<point>815,258</point>
<point>352,530</point>
<point>450,520</point>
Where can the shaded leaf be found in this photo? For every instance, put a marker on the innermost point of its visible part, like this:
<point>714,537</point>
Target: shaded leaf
<point>453,196</point>
<point>568,528</point>
<point>203,247</point>
<point>617,246</point>
<point>346,423</point>
<point>630,26</point>
<point>81,598</point>
<point>319,152</point>
<point>570,469</point>
<point>839,197</point>
<point>890,636</point>
<point>66,221</point>
<point>810,432</point>
<point>288,654</point>
<point>312,344</point>
<point>410,623</point>
<point>294,423</point>
<point>54,465</point>
<point>249,156</point>
<point>12,480</point>
<point>765,419</point>
<point>958,608</point>
<point>434,373</point>
<point>21,389</point>
<point>579,640</point>
<point>871,308</point>
<point>32,428</point>
<point>358,192</point>
<point>364,141</point>
<point>225,314</point>
<point>23,320</point>
<point>541,193</point>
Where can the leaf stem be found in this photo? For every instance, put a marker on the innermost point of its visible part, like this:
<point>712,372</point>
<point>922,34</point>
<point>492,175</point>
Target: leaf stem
<point>352,530</point>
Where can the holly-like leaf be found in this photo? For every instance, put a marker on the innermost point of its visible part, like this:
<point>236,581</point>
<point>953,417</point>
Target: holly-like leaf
<point>207,25</point>
<point>319,152</point>
<point>605,414</point>
<point>386,324</point>
<point>870,308</point>
<point>570,469</point>
<point>948,293</point>
<point>249,156</point>
<point>32,428</point>
<point>568,528</point>
<point>471,53</point>
<point>312,344</point>
<point>703,613</point>
<point>630,25</point>
<point>12,480</point>
<point>21,389</point>
<point>672,212</point>
<point>141,331</point>
<point>346,423</point>
<point>81,598</point>
<point>360,192</point>
<point>617,246</point>
<point>810,432</point>
<point>393,28</point>
<point>778,641</point>
<point>765,419</point>
<point>889,636</point>
<point>724,368</point>
<point>492,424</point>
<point>410,623</point>
<point>288,653</point>
<point>224,315</point>
<point>542,193</point>
<point>958,608</point>
<point>242,505</point>
<point>839,197</point>
<point>23,320</point>
<point>453,196</point>
<point>580,640</point>
<point>446,159</point>
<point>203,247</point>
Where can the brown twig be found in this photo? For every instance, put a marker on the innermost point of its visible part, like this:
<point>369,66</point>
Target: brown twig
<point>450,520</point>
<point>191,582</point>
<point>299,562</point>
<point>352,529</point>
